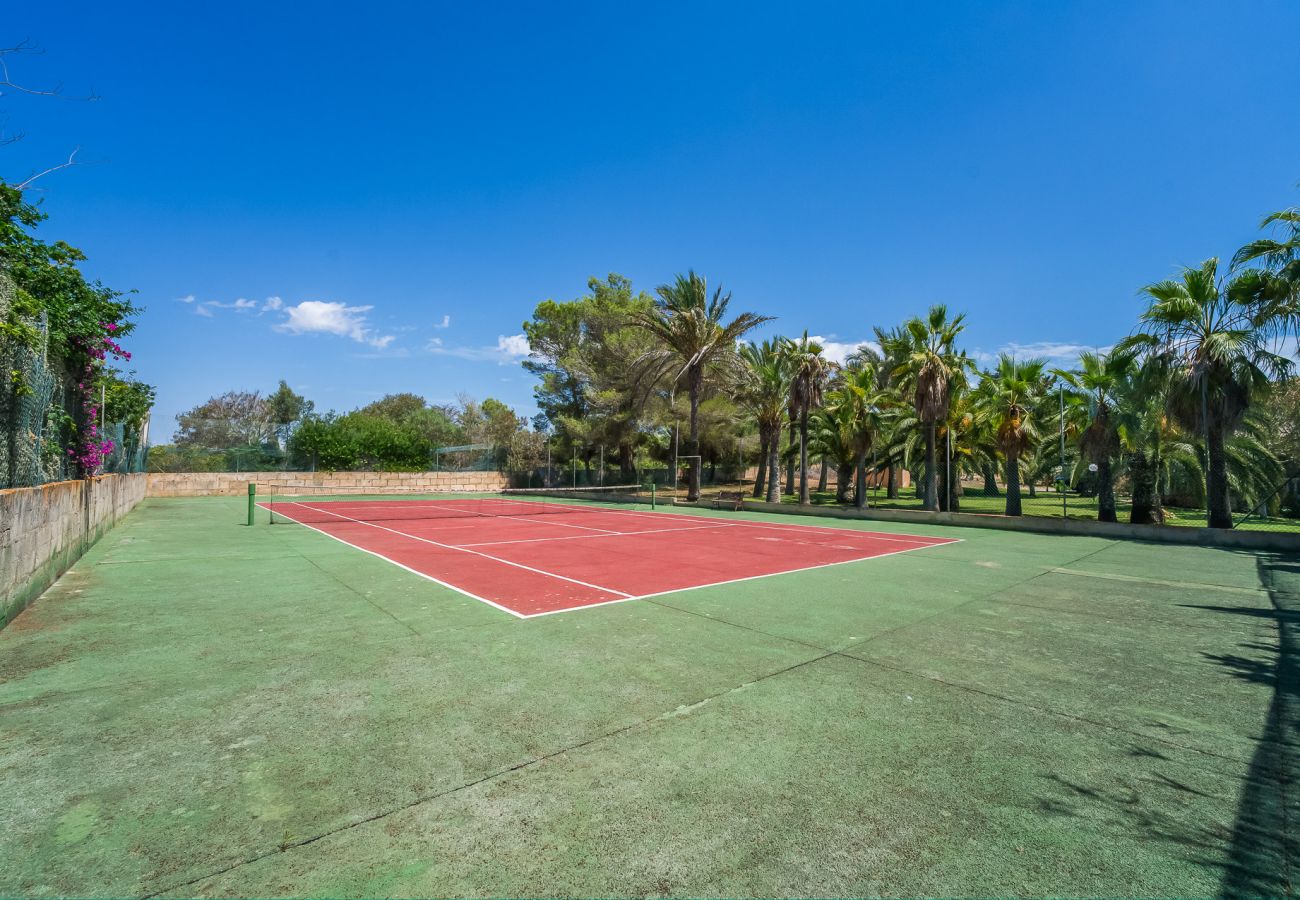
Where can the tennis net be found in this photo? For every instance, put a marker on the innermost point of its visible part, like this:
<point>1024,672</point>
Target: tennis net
<point>315,505</point>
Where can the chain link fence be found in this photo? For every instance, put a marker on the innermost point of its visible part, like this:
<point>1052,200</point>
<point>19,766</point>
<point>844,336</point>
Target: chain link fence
<point>36,418</point>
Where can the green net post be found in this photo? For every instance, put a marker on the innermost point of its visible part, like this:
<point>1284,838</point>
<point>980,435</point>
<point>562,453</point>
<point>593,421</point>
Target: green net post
<point>652,495</point>
<point>252,501</point>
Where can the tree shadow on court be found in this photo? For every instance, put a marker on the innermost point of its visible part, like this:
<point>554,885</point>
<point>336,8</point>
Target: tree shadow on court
<point>1263,839</point>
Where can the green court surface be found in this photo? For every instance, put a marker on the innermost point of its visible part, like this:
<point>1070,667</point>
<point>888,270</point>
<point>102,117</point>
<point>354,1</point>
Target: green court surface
<point>204,708</point>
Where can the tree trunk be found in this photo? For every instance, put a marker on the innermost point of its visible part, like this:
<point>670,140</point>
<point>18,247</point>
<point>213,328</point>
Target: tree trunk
<point>891,485</point>
<point>1216,482</point>
<point>789,462</point>
<point>860,495</point>
<point>693,443</point>
<point>1105,491</point>
<point>843,482</point>
<point>931,474</point>
<point>1013,484</point>
<point>760,478</point>
<point>774,466</point>
<point>1146,500</point>
<point>823,479</point>
<point>804,498</point>
<point>990,479</point>
<point>626,463</point>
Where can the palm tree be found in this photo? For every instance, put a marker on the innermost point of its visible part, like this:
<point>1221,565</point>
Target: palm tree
<point>688,325</point>
<point>765,391</point>
<point>856,403</point>
<point>830,434</point>
<point>1093,393</point>
<point>1279,280</point>
<point>1009,399</point>
<point>971,452</point>
<point>808,370</point>
<point>1213,338</point>
<point>1152,445</point>
<point>927,366</point>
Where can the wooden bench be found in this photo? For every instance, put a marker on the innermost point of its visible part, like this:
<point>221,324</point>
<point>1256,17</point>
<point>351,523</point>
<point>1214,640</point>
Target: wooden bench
<point>734,499</point>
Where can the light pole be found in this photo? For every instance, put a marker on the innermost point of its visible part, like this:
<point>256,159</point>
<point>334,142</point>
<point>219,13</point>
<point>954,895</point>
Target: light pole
<point>1065,513</point>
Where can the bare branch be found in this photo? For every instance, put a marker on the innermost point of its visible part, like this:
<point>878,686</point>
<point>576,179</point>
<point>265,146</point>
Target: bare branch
<point>72,161</point>
<point>26,46</point>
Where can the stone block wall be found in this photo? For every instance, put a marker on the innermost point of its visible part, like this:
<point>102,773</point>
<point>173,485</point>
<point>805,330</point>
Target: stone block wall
<point>44,530</point>
<point>203,484</point>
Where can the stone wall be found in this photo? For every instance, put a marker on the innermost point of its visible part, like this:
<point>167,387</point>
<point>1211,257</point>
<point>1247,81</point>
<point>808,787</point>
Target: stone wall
<point>44,530</point>
<point>203,484</point>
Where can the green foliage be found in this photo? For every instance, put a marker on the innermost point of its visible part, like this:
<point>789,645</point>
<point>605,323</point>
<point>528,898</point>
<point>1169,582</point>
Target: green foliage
<point>587,391</point>
<point>361,441</point>
<point>49,281</point>
<point>51,312</point>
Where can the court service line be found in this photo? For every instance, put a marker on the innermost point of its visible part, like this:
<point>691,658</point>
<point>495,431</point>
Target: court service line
<point>507,562</point>
<point>522,517</point>
<point>696,587</point>
<point>588,537</point>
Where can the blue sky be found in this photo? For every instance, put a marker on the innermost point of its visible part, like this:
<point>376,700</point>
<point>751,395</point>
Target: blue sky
<point>373,198</point>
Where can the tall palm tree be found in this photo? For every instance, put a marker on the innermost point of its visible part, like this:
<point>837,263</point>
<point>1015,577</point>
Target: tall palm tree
<point>688,324</point>
<point>1213,338</point>
<point>1009,399</point>
<point>928,364</point>
<point>808,370</point>
<point>892,343</point>
<point>1093,393</point>
<point>971,452</point>
<point>765,391</point>
<point>856,402</point>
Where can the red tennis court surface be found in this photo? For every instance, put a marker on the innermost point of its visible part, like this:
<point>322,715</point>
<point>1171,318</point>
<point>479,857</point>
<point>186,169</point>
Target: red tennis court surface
<point>537,564</point>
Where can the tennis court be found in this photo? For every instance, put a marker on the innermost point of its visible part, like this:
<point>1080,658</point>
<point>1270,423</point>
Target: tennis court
<point>534,553</point>
<point>202,708</point>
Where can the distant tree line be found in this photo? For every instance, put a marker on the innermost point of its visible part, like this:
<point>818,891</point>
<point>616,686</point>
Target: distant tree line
<point>249,431</point>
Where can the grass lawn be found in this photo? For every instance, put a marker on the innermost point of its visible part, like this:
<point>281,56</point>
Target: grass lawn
<point>1048,504</point>
<point>202,708</point>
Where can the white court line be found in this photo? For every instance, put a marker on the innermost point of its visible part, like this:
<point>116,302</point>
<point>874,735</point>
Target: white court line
<point>696,587</point>
<point>771,526</point>
<point>588,537</point>
<point>459,590</point>
<point>507,562</point>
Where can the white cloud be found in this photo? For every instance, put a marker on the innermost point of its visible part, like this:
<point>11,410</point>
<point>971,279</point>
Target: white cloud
<point>271,304</point>
<point>508,349</point>
<point>513,345</point>
<point>240,305</point>
<point>445,323</point>
<point>838,351</point>
<point>1057,353</point>
<point>333,317</point>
